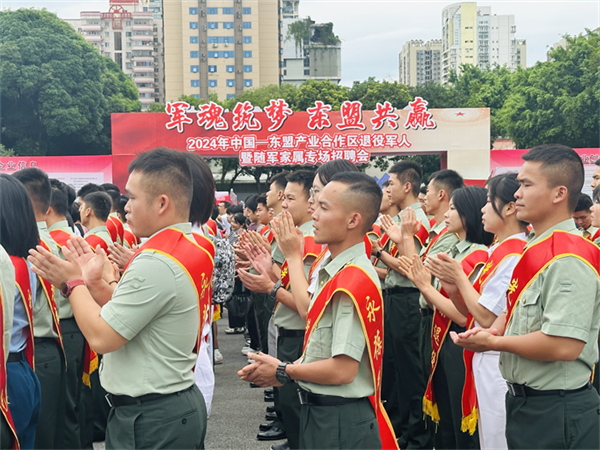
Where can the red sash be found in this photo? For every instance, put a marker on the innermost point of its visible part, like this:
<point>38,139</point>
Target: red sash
<point>432,222</point>
<point>115,229</point>
<point>94,240</point>
<point>539,255</point>
<point>49,294</point>
<point>376,232</point>
<point>90,364</point>
<point>368,245</point>
<point>266,231</point>
<point>433,241</point>
<point>61,237</point>
<point>129,238</point>
<point>193,258</point>
<point>317,262</point>
<point>422,235</point>
<point>24,287</point>
<point>596,235</point>
<point>212,227</point>
<point>311,248</point>
<point>366,296</point>
<point>3,392</point>
<point>439,330</point>
<point>508,248</point>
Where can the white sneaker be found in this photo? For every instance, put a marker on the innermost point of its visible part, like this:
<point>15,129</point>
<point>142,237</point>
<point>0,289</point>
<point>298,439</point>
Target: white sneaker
<point>218,357</point>
<point>248,349</point>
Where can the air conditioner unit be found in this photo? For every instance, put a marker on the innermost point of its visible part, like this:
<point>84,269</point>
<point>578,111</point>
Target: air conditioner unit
<point>214,45</point>
<point>226,44</point>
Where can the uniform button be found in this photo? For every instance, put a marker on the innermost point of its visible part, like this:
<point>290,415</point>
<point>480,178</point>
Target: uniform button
<point>371,426</point>
<point>46,365</point>
<point>183,421</point>
<point>321,283</point>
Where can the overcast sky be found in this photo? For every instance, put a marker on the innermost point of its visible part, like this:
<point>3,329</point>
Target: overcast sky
<point>373,31</point>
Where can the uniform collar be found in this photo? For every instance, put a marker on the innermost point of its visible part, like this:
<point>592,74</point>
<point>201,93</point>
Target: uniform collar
<point>96,230</point>
<point>333,266</point>
<point>565,225</point>
<point>42,225</point>
<point>185,227</point>
<point>305,227</point>
<point>61,224</point>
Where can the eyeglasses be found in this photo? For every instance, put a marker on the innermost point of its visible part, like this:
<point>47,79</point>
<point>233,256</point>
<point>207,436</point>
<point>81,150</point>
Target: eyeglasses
<point>312,192</point>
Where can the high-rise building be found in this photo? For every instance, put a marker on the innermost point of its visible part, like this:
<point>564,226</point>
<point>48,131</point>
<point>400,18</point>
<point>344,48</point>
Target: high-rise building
<point>420,62</point>
<point>472,35</point>
<point>130,33</point>
<point>220,47</point>
<point>310,50</point>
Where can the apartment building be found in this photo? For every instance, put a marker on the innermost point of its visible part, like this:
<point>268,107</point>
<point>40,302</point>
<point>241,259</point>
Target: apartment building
<point>420,62</point>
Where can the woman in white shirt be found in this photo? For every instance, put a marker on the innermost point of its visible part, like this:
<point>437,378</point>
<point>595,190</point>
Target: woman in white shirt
<point>485,300</point>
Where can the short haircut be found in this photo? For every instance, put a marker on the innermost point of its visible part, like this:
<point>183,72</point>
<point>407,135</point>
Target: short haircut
<point>501,191</point>
<point>423,189</point>
<point>74,211</point>
<point>304,178</point>
<point>226,204</point>
<point>109,186</point>
<point>115,197</point>
<point>468,202</point>
<point>279,179</point>
<point>330,168</point>
<point>121,206</point>
<point>235,209</point>
<point>88,189</point>
<point>251,202</point>
<point>203,189</point>
<point>562,166</point>
<point>597,162</point>
<point>59,202</point>
<point>166,172</point>
<point>449,180</point>
<point>100,203</point>
<point>363,193</point>
<point>596,194</point>
<point>408,172</point>
<point>18,227</point>
<point>584,203</point>
<point>38,187</point>
<point>262,199</point>
<point>240,219</point>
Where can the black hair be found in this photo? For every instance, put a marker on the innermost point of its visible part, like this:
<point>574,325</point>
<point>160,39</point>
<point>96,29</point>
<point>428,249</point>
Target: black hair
<point>501,192</point>
<point>100,203</point>
<point>121,207</point>
<point>596,194</point>
<point>330,168</point>
<point>304,178</point>
<point>252,202</point>
<point>468,202</point>
<point>240,219</point>
<point>279,179</point>
<point>226,204</point>
<point>597,162</point>
<point>449,180</point>
<point>38,187</point>
<point>364,193</point>
<point>203,191</point>
<point>59,201</point>
<point>584,203</point>
<point>408,172</point>
<point>423,189</point>
<point>18,227</point>
<point>115,197</point>
<point>262,199</point>
<point>235,209</point>
<point>110,187</point>
<point>167,172</point>
<point>88,189</point>
<point>215,212</point>
<point>562,166</point>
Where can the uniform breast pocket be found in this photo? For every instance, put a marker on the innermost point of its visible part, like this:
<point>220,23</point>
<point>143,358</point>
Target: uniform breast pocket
<point>531,312</point>
<point>319,345</point>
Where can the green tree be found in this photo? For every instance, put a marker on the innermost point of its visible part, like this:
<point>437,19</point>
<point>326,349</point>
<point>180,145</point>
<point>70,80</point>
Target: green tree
<point>324,90</point>
<point>56,91</point>
<point>371,92</point>
<point>557,101</point>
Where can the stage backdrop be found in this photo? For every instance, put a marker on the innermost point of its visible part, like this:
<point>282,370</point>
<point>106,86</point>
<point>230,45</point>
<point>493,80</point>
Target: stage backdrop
<point>279,136</point>
<point>73,170</point>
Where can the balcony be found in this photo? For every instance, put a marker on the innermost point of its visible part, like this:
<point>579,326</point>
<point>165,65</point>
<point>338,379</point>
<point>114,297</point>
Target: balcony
<point>143,48</point>
<point>143,79</point>
<point>146,90</point>
<point>142,37</point>
<point>142,28</point>
<point>146,100</point>
<point>90,15</point>
<point>143,69</point>
<point>143,59</point>
<point>91,28</point>
<point>93,38</point>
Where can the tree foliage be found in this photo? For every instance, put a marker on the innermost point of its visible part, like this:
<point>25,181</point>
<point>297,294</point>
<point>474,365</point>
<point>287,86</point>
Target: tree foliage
<point>57,92</point>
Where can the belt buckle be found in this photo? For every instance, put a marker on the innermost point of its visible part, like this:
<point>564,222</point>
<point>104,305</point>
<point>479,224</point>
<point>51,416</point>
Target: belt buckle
<point>511,389</point>
<point>110,403</point>
<point>303,397</point>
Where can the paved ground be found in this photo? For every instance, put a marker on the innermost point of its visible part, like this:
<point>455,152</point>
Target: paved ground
<point>237,409</point>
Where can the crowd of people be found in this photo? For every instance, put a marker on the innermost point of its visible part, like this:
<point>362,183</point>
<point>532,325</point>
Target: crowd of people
<point>424,314</point>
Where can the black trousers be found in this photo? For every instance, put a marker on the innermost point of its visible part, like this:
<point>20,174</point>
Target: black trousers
<point>290,349</point>
<point>569,421</point>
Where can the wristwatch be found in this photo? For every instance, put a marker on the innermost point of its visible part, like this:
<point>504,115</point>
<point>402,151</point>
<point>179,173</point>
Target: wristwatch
<point>281,374</point>
<point>378,254</point>
<point>276,287</point>
<point>67,287</point>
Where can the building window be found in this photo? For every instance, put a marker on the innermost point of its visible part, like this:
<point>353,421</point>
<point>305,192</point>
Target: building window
<point>230,68</point>
<point>227,25</point>
<point>247,83</point>
<point>194,69</point>
<point>213,25</point>
<point>246,10</point>
<point>193,25</point>
<point>129,55</point>
<point>212,10</point>
<point>247,68</point>
<point>247,39</point>
<point>213,54</point>
<point>307,72</point>
<point>106,33</point>
<point>196,96</point>
<point>227,10</point>
<point>128,65</point>
<point>128,33</point>
<point>247,25</point>
<point>193,39</point>
<point>128,23</point>
<point>230,96</point>
<point>195,83</point>
<point>247,54</point>
<point>212,68</point>
<point>228,54</point>
<point>230,83</point>
<point>194,11</point>
<point>194,55</point>
<point>221,40</point>
<point>212,83</point>
<point>107,44</point>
